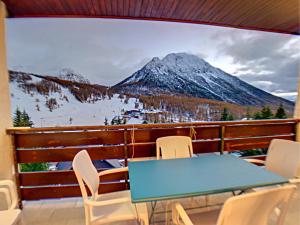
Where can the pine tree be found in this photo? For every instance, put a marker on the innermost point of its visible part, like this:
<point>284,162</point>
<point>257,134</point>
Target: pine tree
<point>22,119</point>
<point>280,113</point>
<point>257,116</point>
<point>26,121</point>
<point>17,118</point>
<point>266,113</point>
<point>105,121</point>
<point>248,114</point>
<point>230,117</point>
<point>224,115</point>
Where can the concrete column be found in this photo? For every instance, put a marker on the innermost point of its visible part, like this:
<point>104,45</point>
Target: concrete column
<point>6,150</point>
<point>297,110</point>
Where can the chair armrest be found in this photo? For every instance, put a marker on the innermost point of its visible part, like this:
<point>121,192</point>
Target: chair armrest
<point>10,185</point>
<point>178,213</point>
<point>111,171</point>
<point>258,161</point>
<point>94,203</point>
<point>294,181</point>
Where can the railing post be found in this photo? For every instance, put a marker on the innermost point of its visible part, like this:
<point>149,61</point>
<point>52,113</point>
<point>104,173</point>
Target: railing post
<point>126,156</point>
<point>297,111</point>
<point>222,134</point>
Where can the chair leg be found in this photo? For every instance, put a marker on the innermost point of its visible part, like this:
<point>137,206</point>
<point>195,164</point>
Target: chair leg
<point>193,202</point>
<point>144,221</point>
<point>153,205</point>
<point>206,200</point>
<point>142,213</point>
<point>21,220</point>
<point>167,211</point>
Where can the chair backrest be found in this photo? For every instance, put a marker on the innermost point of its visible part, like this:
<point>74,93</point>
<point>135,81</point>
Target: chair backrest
<point>86,173</point>
<point>172,147</point>
<point>283,158</point>
<point>256,208</point>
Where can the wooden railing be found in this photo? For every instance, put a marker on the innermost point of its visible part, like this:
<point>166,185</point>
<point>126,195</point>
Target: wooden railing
<point>60,144</point>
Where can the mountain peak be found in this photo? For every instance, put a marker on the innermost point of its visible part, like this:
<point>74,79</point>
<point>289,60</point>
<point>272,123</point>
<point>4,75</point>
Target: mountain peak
<point>181,55</point>
<point>184,61</point>
<point>71,75</point>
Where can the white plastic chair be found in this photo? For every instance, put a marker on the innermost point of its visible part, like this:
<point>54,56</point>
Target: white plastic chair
<point>104,208</point>
<point>248,209</point>
<point>172,147</point>
<point>283,158</point>
<point>11,216</point>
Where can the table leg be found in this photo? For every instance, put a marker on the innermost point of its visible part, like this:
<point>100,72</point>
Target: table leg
<point>153,205</point>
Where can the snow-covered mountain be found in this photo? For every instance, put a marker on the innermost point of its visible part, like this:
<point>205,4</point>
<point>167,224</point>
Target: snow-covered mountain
<point>180,87</point>
<point>71,75</point>
<point>52,101</point>
<point>189,75</point>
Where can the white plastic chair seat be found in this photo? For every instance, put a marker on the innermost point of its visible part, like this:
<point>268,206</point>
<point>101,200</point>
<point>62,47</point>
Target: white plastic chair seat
<point>10,217</point>
<point>124,211</point>
<point>205,218</point>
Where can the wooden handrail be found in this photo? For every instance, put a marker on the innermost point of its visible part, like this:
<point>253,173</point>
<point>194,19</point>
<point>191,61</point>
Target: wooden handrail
<point>16,130</point>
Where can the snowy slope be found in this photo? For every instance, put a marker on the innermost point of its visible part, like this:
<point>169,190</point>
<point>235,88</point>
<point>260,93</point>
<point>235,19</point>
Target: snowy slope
<point>69,110</point>
<point>71,75</point>
<point>185,74</point>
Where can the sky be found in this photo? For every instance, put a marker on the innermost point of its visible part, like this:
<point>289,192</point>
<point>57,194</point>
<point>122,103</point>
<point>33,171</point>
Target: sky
<point>106,51</point>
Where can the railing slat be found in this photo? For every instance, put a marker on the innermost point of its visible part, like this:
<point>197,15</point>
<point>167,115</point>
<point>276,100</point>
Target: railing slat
<point>61,177</point>
<point>253,143</point>
<point>150,135</point>
<point>36,193</point>
<point>38,140</point>
<point>258,130</point>
<point>67,154</point>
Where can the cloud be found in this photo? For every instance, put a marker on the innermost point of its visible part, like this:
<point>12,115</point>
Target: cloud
<point>268,61</point>
<point>107,51</point>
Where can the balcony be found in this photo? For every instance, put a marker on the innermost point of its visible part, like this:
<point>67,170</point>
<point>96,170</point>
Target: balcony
<point>53,197</point>
<point>71,212</point>
<point>49,196</point>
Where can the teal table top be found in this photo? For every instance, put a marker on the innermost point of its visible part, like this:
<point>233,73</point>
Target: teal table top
<point>207,174</point>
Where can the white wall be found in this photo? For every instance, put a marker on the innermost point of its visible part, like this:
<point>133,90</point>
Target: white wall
<point>6,156</point>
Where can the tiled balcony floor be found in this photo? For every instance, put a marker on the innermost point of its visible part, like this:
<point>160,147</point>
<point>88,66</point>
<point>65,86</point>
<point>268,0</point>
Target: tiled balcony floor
<point>70,211</point>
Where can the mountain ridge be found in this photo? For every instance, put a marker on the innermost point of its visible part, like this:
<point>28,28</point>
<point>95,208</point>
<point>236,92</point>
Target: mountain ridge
<point>179,87</point>
<point>189,75</point>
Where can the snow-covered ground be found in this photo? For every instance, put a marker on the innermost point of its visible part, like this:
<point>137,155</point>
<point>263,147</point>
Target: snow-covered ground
<point>71,112</point>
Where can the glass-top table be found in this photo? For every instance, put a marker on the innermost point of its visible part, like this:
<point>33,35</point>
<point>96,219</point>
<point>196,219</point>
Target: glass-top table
<point>156,180</point>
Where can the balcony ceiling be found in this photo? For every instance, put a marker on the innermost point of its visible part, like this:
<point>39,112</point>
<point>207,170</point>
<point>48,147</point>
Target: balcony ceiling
<point>268,15</point>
